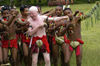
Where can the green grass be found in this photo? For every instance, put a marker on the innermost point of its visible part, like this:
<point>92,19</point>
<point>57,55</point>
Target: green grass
<point>91,37</point>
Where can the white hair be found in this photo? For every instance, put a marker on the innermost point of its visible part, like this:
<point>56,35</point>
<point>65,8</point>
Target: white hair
<point>33,8</point>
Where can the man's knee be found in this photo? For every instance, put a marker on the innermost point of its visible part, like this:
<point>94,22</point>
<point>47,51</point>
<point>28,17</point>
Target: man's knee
<point>55,59</point>
<point>34,61</point>
<point>79,60</point>
<point>67,60</point>
<point>25,54</point>
<point>1,61</point>
<point>55,54</point>
<point>47,60</point>
<point>14,63</point>
<point>79,63</point>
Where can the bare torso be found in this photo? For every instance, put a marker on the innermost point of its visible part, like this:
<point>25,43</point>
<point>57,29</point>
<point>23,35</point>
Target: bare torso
<point>74,33</point>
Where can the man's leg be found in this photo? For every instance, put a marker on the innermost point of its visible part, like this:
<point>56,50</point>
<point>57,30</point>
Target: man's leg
<point>41,61</point>
<point>67,54</point>
<point>30,57</point>
<point>47,59</point>
<point>19,56</point>
<point>55,54</point>
<point>19,59</point>
<point>79,57</point>
<point>35,59</point>
<point>20,53</point>
<point>63,55</point>
<point>25,50</point>
<point>5,55</point>
<point>62,59</point>
<point>14,56</point>
<point>1,59</point>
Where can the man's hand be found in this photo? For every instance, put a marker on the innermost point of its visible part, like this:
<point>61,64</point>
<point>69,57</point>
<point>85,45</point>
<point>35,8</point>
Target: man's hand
<point>15,13</point>
<point>76,12</point>
<point>29,32</point>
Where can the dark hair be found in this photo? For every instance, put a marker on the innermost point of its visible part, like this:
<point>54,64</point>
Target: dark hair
<point>29,6</point>
<point>23,7</point>
<point>38,6</point>
<point>4,8</point>
<point>60,6</point>
<point>67,9</point>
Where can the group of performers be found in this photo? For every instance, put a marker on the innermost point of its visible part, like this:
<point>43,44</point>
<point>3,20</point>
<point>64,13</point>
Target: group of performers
<point>26,34</point>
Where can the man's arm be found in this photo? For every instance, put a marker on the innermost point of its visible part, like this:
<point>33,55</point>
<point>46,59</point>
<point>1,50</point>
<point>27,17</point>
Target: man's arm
<point>87,15</point>
<point>7,22</point>
<point>58,24</point>
<point>46,18</point>
<point>48,13</point>
<point>19,21</point>
<point>11,17</point>
<point>15,15</point>
<point>64,30</point>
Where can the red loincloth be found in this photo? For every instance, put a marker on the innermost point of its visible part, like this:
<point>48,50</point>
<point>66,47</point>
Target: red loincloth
<point>13,43</point>
<point>4,43</point>
<point>24,39</point>
<point>44,40</point>
<point>78,47</point>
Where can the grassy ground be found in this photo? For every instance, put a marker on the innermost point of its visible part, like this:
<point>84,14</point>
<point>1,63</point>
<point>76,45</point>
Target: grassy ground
<point>91,37</point>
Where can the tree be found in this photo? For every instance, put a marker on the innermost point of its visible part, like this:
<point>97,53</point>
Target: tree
<point>39,1</point>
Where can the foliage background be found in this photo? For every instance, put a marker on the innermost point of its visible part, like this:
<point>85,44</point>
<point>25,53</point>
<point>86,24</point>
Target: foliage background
<point>35,2</point>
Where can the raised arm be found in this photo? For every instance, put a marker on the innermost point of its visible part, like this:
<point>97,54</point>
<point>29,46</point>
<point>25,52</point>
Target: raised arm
<point>48,13</point>
<point>87,15</point>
